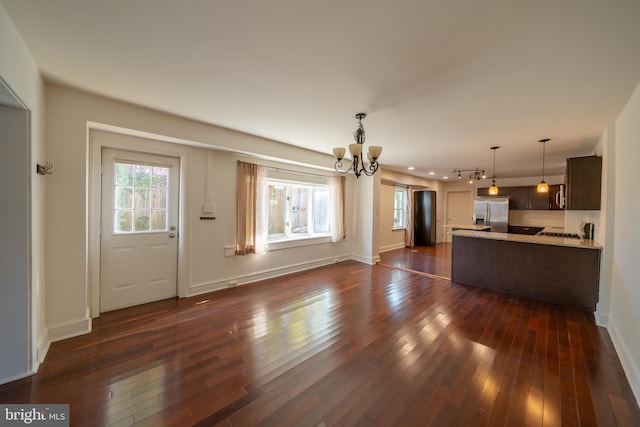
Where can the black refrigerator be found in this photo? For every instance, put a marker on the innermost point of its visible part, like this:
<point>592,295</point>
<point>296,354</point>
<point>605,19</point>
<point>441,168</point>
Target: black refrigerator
<point>424,218</point>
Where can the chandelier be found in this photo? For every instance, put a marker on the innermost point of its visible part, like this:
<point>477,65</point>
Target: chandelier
<point>358,165</point>
<point>476,174</point>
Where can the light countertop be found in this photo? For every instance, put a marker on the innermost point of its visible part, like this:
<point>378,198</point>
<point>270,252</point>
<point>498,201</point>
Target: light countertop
<point>468,227</point>
<point>542,240</point>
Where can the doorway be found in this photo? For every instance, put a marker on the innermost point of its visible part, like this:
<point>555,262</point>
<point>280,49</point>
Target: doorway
<point>17,334</point>
<point>139,228</point>
<point>459,209</point>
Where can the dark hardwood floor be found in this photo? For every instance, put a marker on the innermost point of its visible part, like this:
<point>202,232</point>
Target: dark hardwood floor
<point>347,344</point>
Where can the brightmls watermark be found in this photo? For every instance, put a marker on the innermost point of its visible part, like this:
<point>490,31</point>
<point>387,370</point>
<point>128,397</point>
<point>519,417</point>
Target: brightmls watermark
<point>34,415</point>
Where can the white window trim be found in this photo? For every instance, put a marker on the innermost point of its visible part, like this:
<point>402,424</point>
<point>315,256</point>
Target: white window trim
<point>404,209</point>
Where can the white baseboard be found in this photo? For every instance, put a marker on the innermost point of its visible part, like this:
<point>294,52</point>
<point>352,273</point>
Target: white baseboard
<point>71,328</point>
<point>391,247</point>
<point>626,359</point>
<point>228,282</point>
<point>42,347</point>
<point>366,259</point>
<point>601,319</point>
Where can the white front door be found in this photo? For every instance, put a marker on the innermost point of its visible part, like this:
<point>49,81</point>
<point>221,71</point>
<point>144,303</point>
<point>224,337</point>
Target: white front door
<point>139,234</point>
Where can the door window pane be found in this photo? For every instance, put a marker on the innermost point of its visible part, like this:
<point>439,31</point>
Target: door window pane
<point>141,198</point>
<point>122,222</point>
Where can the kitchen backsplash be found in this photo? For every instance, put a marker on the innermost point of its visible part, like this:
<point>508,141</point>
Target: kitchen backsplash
<point>537,218</point>
<point>573,220</point>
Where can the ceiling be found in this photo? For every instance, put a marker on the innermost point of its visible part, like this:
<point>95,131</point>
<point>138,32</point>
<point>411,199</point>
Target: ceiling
<point>441,82</point>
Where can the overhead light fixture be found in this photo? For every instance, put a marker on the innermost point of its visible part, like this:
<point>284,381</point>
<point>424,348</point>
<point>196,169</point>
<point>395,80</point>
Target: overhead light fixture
<point>493,190</point>
<point>543,187</point>
<point>476,173</point>
<point>358,165</point>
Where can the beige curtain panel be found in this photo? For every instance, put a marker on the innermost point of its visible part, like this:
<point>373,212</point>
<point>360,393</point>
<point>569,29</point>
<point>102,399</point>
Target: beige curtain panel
<point>246,188</point>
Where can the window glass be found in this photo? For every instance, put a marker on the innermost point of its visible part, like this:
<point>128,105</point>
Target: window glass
<point>140,194</point>
<point>399,208</point>
<point>321,211</point>
<point>297,210</point>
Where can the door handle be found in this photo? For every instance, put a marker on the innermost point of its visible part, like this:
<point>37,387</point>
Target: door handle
<point>172,235</point>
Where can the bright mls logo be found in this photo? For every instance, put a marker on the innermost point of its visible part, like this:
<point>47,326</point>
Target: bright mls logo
<point>36,415</point>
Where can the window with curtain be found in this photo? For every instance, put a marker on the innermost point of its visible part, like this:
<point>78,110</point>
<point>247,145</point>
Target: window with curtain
<point>271,210</point>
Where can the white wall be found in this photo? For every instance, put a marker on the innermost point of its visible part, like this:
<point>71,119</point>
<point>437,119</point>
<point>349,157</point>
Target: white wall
<point>624,318</point>
<point>20,73</point>
<point>208,268</point>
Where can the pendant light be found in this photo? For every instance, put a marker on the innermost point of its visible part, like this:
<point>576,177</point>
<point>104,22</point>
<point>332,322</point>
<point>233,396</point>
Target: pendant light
<point>543,187</point>
<point>493,190</point>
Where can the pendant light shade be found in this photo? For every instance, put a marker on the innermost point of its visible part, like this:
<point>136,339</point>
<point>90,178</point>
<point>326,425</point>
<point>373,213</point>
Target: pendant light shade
<point>493,190</point>
<point>543,187</point>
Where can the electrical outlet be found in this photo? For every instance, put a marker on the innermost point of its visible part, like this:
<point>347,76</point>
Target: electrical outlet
<point>233,283</point>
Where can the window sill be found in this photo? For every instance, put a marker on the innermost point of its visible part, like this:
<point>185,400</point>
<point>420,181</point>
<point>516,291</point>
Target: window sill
<point>398,229</point>
<point>296,242</point>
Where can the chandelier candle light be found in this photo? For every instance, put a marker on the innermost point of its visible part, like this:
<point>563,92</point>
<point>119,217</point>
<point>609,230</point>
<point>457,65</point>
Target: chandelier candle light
<point>493,190</point>
<point>358,165</point>
<point>543,187</point>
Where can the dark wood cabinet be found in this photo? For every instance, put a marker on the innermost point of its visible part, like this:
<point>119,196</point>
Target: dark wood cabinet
<point>583,183</point>
<point>555,198</point>
<point>502,192</point>
<point>528,198</point>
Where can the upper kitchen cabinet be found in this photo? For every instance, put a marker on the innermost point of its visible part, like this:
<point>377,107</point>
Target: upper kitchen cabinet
<point>583,183</point>
<point>556,197</point>
<point>502,192</point>
<point>527,198</point>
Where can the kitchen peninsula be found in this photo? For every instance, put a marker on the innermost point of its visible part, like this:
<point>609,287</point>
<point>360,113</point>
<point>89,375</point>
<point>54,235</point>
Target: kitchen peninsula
<point>560,270</point>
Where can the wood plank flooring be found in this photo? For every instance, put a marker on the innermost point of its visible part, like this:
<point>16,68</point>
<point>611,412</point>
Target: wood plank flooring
<point>347,344</point>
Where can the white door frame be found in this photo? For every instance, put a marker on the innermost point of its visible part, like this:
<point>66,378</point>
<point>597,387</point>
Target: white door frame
<point>99,139</point>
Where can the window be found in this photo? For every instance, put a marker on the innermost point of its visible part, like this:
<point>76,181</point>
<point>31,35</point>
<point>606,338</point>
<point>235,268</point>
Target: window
<point>399,208</point>
<point>297,210</point>
<point>140,198</point>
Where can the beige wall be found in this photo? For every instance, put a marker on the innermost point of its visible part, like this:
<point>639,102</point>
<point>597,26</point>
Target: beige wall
<point>393,239</point>
<point>389,238</point>
<point>211,154</point>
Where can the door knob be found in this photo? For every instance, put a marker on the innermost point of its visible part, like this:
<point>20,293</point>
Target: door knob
<point>172,235</point>
<point>172,228</point>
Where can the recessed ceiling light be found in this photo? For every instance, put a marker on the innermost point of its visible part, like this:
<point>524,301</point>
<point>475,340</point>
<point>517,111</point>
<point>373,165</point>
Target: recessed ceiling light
<point>432,173</point>
<point>411,168</point>
<point>445,177</point>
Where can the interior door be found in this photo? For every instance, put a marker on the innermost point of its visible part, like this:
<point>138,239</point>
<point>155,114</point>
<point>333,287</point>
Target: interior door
<point>459,209</point>
<point>139,234</point>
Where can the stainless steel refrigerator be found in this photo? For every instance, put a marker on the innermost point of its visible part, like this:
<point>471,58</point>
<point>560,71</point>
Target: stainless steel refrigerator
<point>493,212</point>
